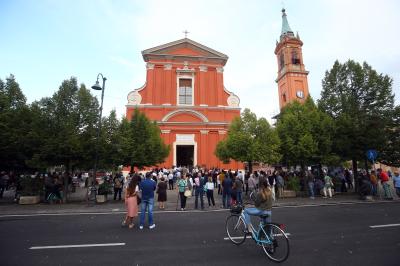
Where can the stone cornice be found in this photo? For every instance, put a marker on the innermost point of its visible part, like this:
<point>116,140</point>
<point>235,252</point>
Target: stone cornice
<point>149,105</point>
<point>194,123</point>
<point>287,73</point>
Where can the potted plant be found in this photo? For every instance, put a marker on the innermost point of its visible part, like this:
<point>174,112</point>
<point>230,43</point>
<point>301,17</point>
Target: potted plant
<point>293,187</point>
<point>31,189</point>
<point>102,192</point>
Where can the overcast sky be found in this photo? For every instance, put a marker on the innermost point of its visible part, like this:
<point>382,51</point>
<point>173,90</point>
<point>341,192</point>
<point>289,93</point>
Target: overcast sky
<point>44,42</point>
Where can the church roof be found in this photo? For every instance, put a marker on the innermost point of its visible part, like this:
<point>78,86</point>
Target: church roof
<point>184,48</point>
<point>286,30</point>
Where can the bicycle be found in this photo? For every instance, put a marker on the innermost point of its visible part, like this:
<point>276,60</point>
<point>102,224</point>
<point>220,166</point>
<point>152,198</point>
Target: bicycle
<point>270,236</point>
<point>52,197</point>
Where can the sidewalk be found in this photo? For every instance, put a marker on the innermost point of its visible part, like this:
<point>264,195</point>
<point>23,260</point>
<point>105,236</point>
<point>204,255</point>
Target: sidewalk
<point>78,204</point>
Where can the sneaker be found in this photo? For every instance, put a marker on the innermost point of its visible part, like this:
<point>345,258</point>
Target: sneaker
<point>182,209</point>
<point>152,226</point>
<point>141,227</point>
<point>123,223</point>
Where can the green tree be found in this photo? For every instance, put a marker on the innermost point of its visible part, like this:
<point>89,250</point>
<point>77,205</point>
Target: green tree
<point>14,125</point>
<point>361,102</point>
<point>109,149</point>
<point>249,140</point>
<point>64,128</point>
<point>390,154</point>
<point>140,142</point>
<point>305,133</point>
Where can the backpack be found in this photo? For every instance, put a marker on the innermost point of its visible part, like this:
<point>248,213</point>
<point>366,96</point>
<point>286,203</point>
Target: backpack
<point>117,183</point>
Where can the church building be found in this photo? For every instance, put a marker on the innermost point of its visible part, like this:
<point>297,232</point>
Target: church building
<point>185,94</point>
<point>292,76</point>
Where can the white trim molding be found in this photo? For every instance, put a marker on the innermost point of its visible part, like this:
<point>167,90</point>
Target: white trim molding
<point>149,66</point>
<point>203,68</point>
<point>222,132</point>
<point>134,97</point>
<point>183,111</point>
<point>204,132</point>
<point>165,131</point>
<point>233,100</point>
<point>184,76</point>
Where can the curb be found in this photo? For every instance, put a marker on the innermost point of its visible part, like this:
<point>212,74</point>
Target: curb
<point>119,211</point>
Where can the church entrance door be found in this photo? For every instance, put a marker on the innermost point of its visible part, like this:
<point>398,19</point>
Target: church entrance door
<point>184,155</point>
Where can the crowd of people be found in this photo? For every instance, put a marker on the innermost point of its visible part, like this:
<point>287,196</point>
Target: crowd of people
<point>51,183</point>
<point>139,188</point>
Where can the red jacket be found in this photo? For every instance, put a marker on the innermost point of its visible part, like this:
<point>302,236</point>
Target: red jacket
<point>384,177</point>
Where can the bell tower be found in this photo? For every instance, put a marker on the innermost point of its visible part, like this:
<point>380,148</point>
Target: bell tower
<point>292,76</point>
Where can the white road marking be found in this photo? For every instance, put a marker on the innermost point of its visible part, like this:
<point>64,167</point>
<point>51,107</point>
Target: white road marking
<point>384,225</point>
<point>79,246</point>
<point>238,237</point>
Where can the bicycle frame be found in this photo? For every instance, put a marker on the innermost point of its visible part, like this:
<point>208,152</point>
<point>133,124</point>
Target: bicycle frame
<point>256,233</point>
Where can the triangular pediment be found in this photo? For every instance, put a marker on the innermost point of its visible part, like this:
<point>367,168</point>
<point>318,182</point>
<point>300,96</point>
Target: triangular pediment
<point>184,47</point>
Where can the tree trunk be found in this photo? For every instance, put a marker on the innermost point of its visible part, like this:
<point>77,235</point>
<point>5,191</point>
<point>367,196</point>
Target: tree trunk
<point>366,164</point>
<point>355,175</point>
<point>66,180</point>
<point>250,167</point>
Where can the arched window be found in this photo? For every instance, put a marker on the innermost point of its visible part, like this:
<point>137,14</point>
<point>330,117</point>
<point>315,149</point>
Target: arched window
<point>284,97</point>
<point>281,60</point>
<point>295,58</point>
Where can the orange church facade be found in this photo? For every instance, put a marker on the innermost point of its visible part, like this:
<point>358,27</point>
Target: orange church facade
<point>185,94</point>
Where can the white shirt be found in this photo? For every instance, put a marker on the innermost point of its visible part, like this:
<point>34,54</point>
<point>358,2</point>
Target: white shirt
<point>210,186</point>
<point>170,176</point>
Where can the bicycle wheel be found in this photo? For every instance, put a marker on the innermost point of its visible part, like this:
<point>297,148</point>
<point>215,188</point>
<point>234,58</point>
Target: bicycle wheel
<point>274,242</point>
<point>236,229</point>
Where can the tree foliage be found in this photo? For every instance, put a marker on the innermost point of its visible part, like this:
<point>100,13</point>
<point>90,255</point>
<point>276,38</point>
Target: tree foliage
<point>249,140</point>
<point>305,133</point>
<point>361,102</point>
<point>140,142</point>
<point>65,127</point>
<point>14,125</point>
<point>390,154</point>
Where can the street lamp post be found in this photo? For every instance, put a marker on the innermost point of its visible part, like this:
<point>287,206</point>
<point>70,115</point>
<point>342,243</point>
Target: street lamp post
<point>96,86</point>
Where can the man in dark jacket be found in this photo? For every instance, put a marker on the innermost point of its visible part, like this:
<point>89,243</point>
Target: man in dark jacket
<point>226,191</point>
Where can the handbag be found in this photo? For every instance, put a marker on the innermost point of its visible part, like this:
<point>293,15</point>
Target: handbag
<point>187,193</point>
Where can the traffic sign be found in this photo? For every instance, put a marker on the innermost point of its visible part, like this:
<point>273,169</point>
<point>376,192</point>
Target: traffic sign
<point>372,154</point>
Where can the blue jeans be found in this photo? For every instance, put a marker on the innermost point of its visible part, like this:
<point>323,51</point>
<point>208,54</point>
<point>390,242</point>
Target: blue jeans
<point>226,199</point>
<point>146,204</point>
<point>256,212</point>
<point>199,192</point>
<point>398,191</point>
<point>311,188</point>
<point>239,197</point>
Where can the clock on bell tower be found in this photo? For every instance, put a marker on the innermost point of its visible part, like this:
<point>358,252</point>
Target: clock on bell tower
<point>292,76</point>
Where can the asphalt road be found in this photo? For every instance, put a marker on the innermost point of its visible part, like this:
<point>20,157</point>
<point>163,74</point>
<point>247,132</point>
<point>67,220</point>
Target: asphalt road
<point>324,235</point>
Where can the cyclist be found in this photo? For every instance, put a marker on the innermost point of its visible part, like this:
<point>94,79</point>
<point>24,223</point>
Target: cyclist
<point>262,203</point>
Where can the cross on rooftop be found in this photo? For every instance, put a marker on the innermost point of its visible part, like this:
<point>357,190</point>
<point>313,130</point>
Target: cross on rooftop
<point>186,33</point>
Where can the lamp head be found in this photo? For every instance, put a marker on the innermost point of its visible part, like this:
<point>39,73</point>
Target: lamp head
<point>97,86</point>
